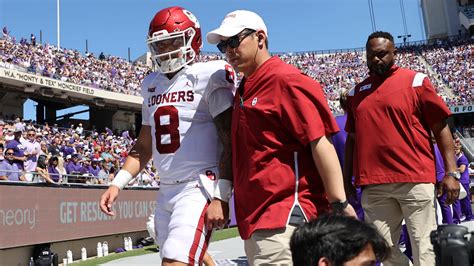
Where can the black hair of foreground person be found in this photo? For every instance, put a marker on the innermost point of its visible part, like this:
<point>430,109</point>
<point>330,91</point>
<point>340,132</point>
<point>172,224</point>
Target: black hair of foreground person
<point>336,238</point>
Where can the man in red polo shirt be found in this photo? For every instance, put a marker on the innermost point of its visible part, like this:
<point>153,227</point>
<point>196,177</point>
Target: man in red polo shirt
<point>390,115</point>
<point>286,170</point>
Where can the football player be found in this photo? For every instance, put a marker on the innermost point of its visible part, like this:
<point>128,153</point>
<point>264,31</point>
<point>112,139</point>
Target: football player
<point>186,130</point>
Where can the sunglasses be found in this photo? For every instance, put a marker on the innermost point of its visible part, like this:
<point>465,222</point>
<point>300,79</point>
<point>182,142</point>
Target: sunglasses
<point>9,153</point>
<point>233,42</point>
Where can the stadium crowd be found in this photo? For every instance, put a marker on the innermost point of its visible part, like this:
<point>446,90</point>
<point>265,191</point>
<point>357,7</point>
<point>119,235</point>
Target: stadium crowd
<point>454,61</point>
<point>451,60</point>
<point>43,153</point>
<point>335,72</point>
<point>104,72</point>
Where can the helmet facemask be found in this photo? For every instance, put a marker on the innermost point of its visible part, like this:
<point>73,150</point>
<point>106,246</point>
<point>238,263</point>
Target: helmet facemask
<point>171,51</point>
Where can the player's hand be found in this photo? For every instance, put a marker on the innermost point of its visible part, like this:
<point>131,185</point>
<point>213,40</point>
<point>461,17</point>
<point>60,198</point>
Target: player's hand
<point>217,214</point>
<point>349,211</point>
<point>107,199</point>
<point>451,187</point>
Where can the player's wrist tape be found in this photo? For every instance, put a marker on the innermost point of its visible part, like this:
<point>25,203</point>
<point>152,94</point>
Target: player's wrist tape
<point>223,190</point>
<point>121,179</point>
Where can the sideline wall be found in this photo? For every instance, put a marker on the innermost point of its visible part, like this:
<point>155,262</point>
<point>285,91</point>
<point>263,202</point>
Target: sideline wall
<point>67,216</point>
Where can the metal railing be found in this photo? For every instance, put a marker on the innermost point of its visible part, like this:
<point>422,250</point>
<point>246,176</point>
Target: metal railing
<point>68,179</point>
<point>41,127</point>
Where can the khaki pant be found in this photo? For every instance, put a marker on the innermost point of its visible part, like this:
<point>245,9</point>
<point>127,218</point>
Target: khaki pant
<point>270,247</point>
<point>386,205</point>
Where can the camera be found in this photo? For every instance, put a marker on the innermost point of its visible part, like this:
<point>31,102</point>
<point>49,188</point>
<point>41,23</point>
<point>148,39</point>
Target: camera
<point>43,255</point>
<point>452,246</point>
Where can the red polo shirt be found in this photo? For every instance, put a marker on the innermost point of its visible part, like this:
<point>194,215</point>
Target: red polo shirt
<point>278,111</point>
<point>391,117</point>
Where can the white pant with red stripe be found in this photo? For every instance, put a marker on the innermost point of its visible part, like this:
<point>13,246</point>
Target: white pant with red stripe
<point>179,222</point>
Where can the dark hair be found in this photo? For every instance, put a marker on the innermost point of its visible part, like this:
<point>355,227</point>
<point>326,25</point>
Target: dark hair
<point>336,237</point>
<point>52,159</point>
<point>41,163</point>
<point>343,100</point>
<point>112,170</point>
<point>6,150</point>
<point>380,34</point>
<point>247,30</point>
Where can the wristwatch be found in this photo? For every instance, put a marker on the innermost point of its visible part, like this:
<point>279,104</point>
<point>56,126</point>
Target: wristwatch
<point>339,206</point>
<point>456,175</point>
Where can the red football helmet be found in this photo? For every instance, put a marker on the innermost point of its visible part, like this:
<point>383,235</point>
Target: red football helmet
<point>174,38</point>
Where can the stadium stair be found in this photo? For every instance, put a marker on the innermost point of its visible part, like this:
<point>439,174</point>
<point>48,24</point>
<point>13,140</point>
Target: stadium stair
<point>435,75</point>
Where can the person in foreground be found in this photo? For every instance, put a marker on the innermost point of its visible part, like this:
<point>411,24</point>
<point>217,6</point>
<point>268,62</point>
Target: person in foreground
<point>284,164</point>
<point>336,240</point>
<point>389,118</point>
<point>186,129</point>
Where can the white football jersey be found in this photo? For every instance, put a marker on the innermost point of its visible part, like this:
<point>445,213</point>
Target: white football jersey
<point>180,112</point>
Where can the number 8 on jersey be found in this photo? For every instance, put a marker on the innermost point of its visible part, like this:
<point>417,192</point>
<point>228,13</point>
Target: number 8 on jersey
<point>167,129</point>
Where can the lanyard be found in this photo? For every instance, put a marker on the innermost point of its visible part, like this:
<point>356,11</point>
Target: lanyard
<point>241,93</point>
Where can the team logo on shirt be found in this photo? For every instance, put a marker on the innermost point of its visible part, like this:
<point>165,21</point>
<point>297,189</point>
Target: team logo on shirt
<point>210,175</point>
<point>365,87</point>
<point>254,101</point>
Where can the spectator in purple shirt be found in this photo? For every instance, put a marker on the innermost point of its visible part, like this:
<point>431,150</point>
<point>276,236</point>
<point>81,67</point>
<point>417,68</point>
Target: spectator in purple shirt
<point>109,131</point>
<point>94,168</point>
<point>446,212</point>
<point>462,206</point>
<point>8,169</point>
<point>52,169</point>
<point>5,33</point>
<point>80,149</point>
<point>75,170</point>
<point>74,166</point>
<point>113,71</point>
<point>18,148</point>
<point>68,149</point>
<point>126,137</point>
